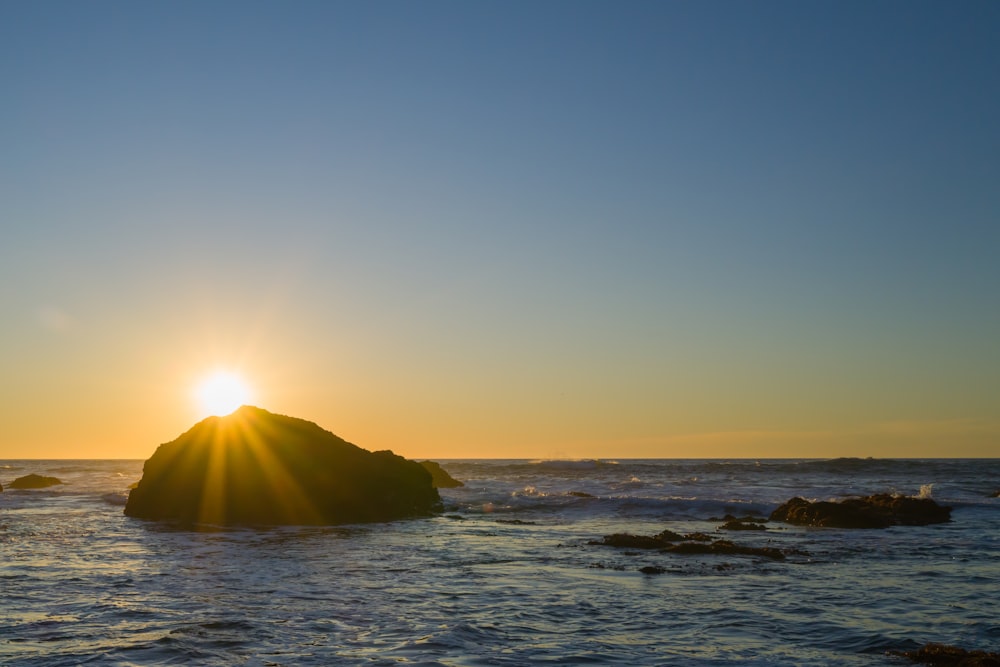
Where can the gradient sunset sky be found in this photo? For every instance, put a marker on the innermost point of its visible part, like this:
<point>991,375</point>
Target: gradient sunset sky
<point>505,229</point>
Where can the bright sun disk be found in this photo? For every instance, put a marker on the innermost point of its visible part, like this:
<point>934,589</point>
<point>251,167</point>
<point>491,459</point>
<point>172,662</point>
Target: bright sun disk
<point>222,393</point>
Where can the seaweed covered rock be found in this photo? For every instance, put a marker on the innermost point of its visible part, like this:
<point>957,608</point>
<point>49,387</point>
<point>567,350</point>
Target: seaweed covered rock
<point>256,467</point>
<point>877,511</point>
<point>440,477</point>
<point>34,481</point>
<point>661,540</point>
<point>953,656</point>
<point>726,547</point>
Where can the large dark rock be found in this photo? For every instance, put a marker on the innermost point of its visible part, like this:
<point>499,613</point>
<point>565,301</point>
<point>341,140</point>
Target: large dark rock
<point>439,476</point>
<point>877,511</point>
<point>34,481</point>
<point>255,467</point>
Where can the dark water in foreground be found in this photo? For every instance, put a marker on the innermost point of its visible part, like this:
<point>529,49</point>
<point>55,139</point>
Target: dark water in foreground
<point>506,576</point>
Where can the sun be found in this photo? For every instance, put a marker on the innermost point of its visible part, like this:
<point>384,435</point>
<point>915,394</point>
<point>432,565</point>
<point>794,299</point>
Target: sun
<point>221,393</point>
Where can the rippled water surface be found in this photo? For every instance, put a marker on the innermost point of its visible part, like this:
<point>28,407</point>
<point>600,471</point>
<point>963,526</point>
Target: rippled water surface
<point>506,576</point>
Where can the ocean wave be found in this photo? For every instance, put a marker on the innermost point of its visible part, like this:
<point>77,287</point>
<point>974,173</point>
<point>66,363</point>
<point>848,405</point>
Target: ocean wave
<point>580,505</point>
<point>573,464</point>
<point>117,499</point>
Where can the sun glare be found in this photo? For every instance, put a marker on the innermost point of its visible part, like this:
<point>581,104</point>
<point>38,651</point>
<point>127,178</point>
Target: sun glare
<point>222,393</point>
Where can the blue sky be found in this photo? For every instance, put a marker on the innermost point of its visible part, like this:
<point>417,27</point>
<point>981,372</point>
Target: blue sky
<point>576,228</point>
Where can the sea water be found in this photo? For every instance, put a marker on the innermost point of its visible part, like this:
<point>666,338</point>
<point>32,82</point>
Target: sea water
<point>507,574</point>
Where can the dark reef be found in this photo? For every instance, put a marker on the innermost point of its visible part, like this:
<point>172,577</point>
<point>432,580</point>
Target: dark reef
<point>440,477</point>
<point>877,511</point>
<point>34,481</point>
<point>628,541</point>
<point>952,656</point>
<point>254,467</point>
<point>693,543</point>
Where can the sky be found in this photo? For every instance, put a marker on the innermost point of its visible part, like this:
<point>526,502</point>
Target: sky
<point>562,229</point>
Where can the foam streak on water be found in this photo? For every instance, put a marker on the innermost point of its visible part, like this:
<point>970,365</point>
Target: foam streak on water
<point>506,575</point>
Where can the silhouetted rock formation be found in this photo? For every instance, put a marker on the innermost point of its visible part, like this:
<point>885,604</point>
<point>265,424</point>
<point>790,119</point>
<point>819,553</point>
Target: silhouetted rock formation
<point>878,511</point>
<point>34,481</point>
<point>255,467</point>
<point>440,477</point>
<point>952,656</point>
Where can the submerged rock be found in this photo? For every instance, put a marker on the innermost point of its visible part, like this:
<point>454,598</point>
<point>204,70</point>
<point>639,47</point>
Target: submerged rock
<point>943,654</point>
<point>629,541</point>
<point>695,543</point>
<point>877,511</point>
<point>256,467</point>
<point>34,481</point>
<point>726,547</point>
<point>440,477</point>
<point>742,524</point>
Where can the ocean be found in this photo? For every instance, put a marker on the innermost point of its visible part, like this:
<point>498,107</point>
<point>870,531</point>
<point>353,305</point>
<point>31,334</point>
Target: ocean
<point>507,574</point>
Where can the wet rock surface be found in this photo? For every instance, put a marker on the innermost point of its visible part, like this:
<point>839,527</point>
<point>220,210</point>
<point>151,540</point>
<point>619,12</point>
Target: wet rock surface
<point>952,656</point>
<point>692,543</point>
<point>34,481</point>
<point>661,540</point>
<point>876,511</point>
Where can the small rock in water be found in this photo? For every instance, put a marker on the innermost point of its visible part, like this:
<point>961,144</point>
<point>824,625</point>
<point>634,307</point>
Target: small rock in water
<point>742,524</point>
<point>661,540</point>
<point>652,569</point>
<point>34,481</point>
<point>726,547</point>
<point>877,511</point>
<point>943,654</point>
